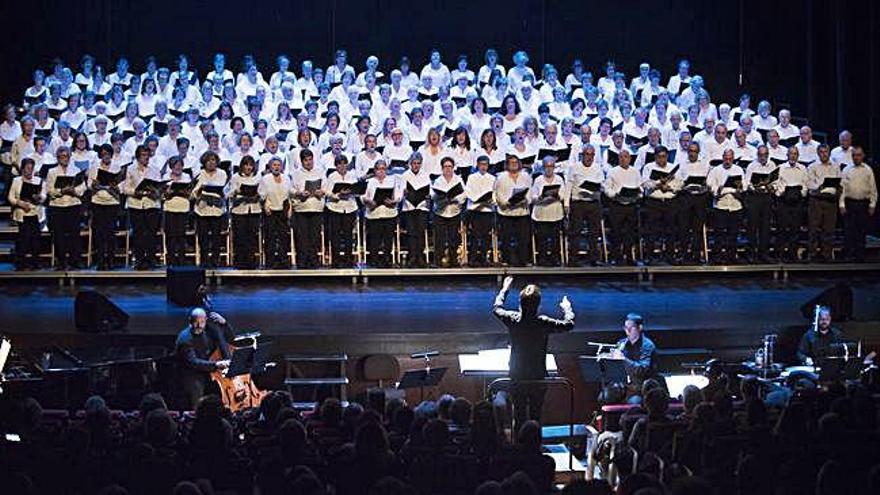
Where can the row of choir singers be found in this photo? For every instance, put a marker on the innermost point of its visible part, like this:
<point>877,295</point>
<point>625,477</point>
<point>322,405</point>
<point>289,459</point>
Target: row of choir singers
<point>674,201</point>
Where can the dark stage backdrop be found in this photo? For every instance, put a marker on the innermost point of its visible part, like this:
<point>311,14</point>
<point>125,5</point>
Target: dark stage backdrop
<point>817,56</point>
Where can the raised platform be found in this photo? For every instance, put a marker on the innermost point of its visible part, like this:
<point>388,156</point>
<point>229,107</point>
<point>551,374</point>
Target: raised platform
<point>363,274</point>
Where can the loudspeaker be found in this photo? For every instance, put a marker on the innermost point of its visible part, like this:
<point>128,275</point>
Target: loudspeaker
<point>839,298</point>
<point>182,285</point>
<point>94,312</point>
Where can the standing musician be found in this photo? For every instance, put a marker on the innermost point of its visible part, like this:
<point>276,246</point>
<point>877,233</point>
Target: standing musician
<point>858,202</point>
<point>528,346</point>
<point>791,189</point>
<point>26,194</point>
<point>176,211</point>
<point>65,190</point>
<point>194,346</point>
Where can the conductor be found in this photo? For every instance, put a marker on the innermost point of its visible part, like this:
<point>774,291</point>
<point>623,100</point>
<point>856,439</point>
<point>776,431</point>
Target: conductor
<point>528,346</point>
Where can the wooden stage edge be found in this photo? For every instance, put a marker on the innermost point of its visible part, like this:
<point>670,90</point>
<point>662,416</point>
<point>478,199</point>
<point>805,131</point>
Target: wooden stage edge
<point>364,274</point>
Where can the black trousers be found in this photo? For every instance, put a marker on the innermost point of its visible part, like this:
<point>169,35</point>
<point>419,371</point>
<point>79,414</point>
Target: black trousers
<point>27,243</point>
<point>209,230</point>
<point>585,224</point>
<point>759,211</point>
<point>528,402</point>
<point>64,225</point>
<point>480,226</point>
<point>307,236</point>
<point>789,219</point>
<point>514,239</point>
<point>624,221</point>
<point>660,226</point>
<point>855,227</point>
<point>104,219</point>
<point>823,220</point>
<point>694,213</point>
<point>380,241</point>
<point>276,232</point>
<point>144,226</point>
<point>175,238</point>
<point>447,239</point>
<point>726,224</point>
<point>341,226</point>
<point>547,243</point>
<point>416,223</point>
<point>245,239</point>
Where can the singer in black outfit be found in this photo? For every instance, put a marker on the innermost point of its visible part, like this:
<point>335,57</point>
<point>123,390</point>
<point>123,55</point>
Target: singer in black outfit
<point>528,346</point>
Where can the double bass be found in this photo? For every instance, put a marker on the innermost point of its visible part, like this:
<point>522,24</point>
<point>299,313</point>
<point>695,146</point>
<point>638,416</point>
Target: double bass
<point>238,392</point>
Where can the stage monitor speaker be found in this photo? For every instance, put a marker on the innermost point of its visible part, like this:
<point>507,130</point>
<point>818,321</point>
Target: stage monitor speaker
<point>182,285</point>
<point>839,298</point>
<point>94,312</point>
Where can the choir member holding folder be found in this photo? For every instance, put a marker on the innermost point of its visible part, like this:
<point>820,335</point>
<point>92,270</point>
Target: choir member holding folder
<point>726,183</point>
<point>583,206</point>
<point>65,186</point>
<point>307,194</point>
<point>481,212</point>
<point>341,189</point>
<point>380,199</point>
<point>26,194</point>
<point>274,191</point>
<point>695,202</point>
<point>661,208</point>
<point>210,208</point>
<point>511,195</point>
<point>760,180</point>
<point>176,210</point>
<point>414,211</point>
<point>546,196</point>
<point>623,188</point>
<point>448,197</point>
<point>143,188</point>
<point>791,189</point>
<point>104,179</point>
<point>245,209</point>
<point>824,190</point>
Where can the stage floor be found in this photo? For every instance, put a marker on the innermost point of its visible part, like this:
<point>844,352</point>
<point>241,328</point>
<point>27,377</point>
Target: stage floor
<point>439,306</point>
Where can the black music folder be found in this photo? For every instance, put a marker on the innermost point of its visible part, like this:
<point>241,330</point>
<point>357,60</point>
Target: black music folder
<point>448,194</point>
<point>629,192</point>
<point>357,188</point>
<point>312,185</point>
<point>830,182</point>
<point>590,186</point>
<point>416,196</point>
<point>485,198</point>
<point>519,195</point>
<point>30,192</point>
<point>107,178</point>
<point>549,190</point>
<point>759,178</point>
<point>248,190</point>
<point>383,193</point>
<point>734,181</point>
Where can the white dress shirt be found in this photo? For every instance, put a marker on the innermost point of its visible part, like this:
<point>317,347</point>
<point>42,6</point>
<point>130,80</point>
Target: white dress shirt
<point>55,197</point>
<point>298,181</point>
<point>202,208</point>
<point>549,208</point>
<point>451,208</point>
<point>274,190</point>
<point>381,211</point>
<point>858,183</point>
<point>725,198</point>
<point>505,186</point>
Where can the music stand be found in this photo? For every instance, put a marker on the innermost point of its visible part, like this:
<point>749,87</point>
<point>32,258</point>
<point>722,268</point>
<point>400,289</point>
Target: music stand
<point>420,379</point>
<point>251,360</point>
<point>602,370</point>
